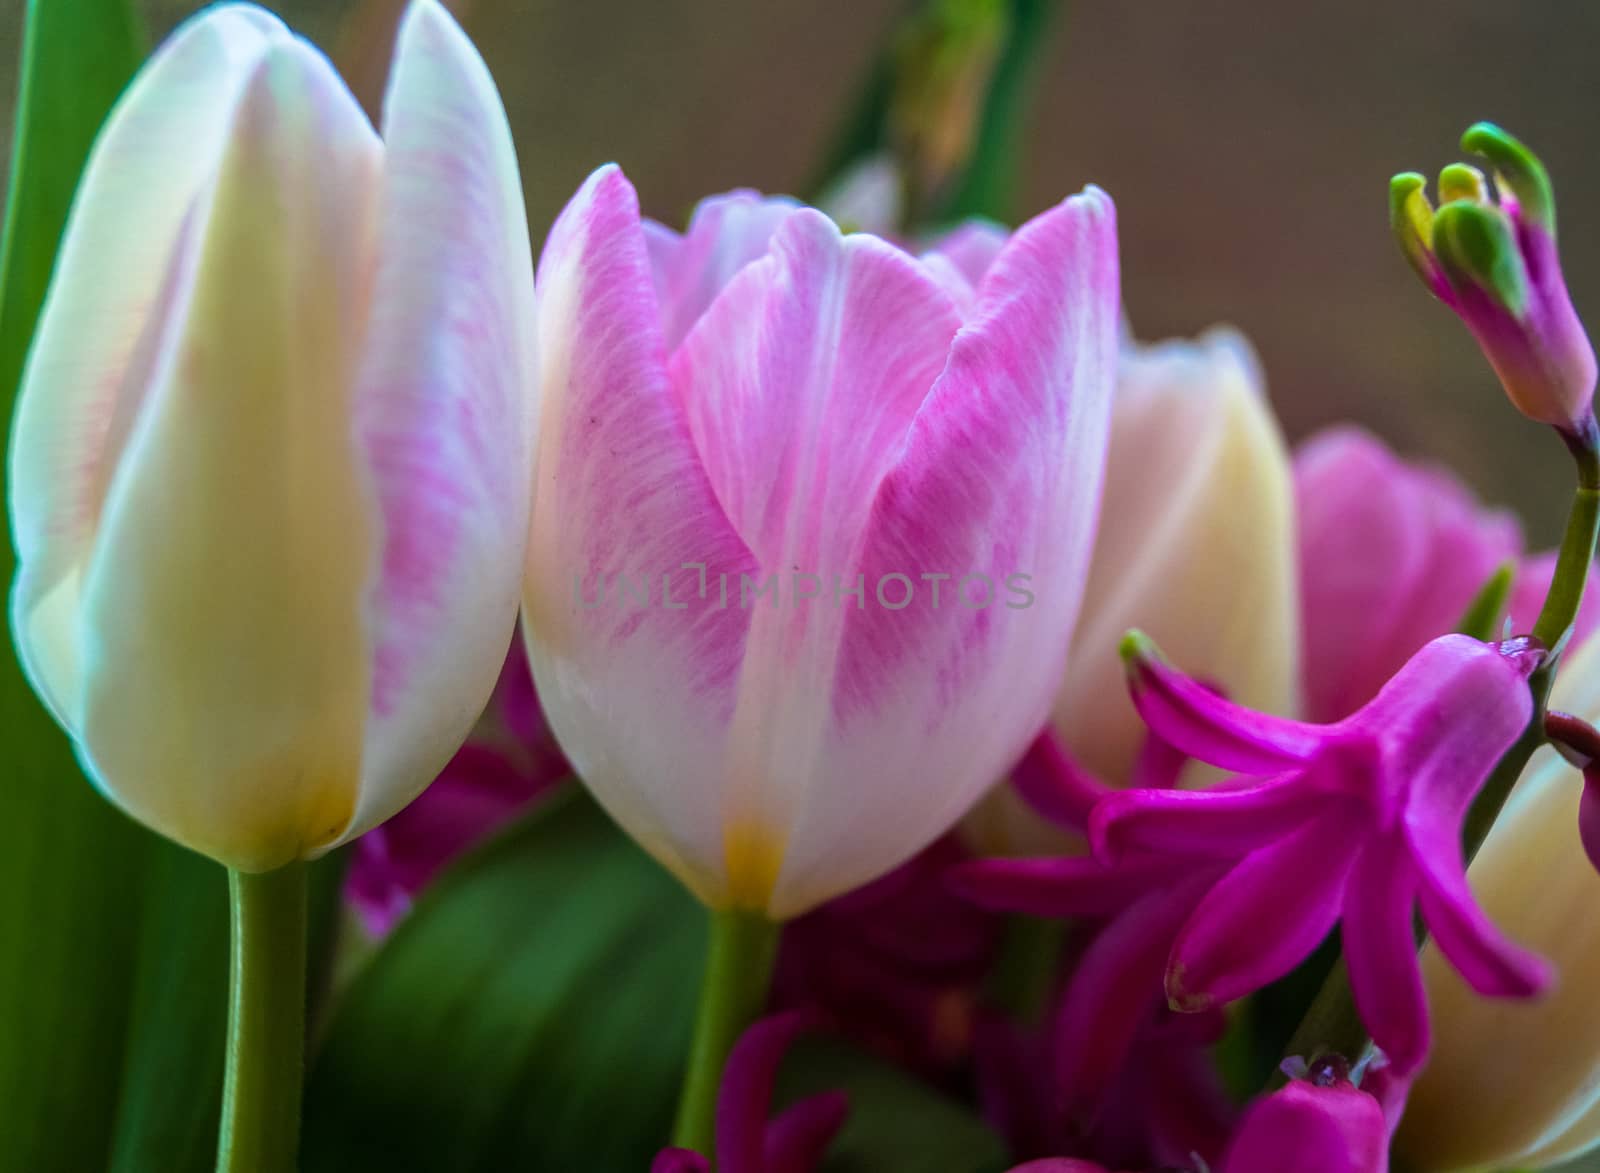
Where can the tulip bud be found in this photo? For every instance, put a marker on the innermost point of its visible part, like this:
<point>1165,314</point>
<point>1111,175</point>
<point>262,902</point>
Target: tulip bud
<point>1517,1084</point>
<point>801,578</point>
<point>269,464</point>
<point>1496,265</point>
<point>1196,547</point>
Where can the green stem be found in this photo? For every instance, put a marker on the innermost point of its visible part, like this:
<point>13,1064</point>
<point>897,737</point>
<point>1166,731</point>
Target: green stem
<point>266,1023</point>
<point>1331,1023</point>
<point>739,961</point>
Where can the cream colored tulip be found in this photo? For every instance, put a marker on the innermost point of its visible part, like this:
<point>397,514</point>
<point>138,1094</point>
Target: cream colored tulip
<point>1196,547</point>
<point>1517,1084</point>
<point>269,471</point>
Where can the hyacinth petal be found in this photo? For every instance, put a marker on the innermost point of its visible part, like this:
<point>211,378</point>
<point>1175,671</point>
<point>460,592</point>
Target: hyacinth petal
<point>1311,1129</point>
<point>1055,785</point>
<point>726,233</point>
<point>1450,714</point>
<point>110,295</point>
<point>799,384</point>
<point>745,1095</point>
<point>1206,725</point>
<point>679,1161</point>
<point>801,1134</point>
<point>1380,948</point>
<point>1115,987</point>
<point>639,696</point>
<point>445,407</point>
<point>1491,962</point>
<point>240,529</point>
<point>1264,917</point>
<point>1063,886</point>
<point>999,475</point>
<point>1220,824</point>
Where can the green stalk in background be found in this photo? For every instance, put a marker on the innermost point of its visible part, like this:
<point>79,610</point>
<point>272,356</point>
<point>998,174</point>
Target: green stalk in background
<point>947,100</point>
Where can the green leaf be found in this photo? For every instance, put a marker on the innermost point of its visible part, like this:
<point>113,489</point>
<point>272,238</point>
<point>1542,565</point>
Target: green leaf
<point>70,867</point>
<point>895,1121</point>
<point>533,1012</point>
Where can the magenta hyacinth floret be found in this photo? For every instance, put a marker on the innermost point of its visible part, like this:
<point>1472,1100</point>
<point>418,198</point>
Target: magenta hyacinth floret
<point>1356,822</point>
<point>1495,264</point>
<point>747,1141</point>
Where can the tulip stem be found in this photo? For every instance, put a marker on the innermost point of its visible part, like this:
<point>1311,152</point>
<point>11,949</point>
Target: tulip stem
<point>266,1023</point>
<point>739,961</point>
<point>1332,1023</point>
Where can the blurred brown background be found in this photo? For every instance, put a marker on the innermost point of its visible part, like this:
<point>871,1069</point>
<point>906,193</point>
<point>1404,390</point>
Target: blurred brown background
<point>1248,146</point>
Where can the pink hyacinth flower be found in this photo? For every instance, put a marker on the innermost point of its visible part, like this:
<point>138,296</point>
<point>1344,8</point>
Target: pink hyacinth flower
<point>1324,1124</point>
<point>1117,1076</point>
<point>747,1142</point>
<point>741,427</point>
<point>1358,821</point>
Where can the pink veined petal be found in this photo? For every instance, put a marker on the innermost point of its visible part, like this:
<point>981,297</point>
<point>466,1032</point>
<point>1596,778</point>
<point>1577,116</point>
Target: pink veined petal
<point>1311,1129</point>
<point>799,384</point>
<point>745,1096</point>
<point>1380,947</point>
<point>726,233</point>
<point>798,1138</point>
<point>1054,784</point>
<point>240,529</point>
<point>971,247</point>
<point>679,1161</point>
<point>1264,917</point>
<point>1116,989</point>
<point>1065,886</point>
<point>1206,725</point>
<point>1208,824</point>
<point>998,477</point>
<point>101,330</point>
<point>446,407</point>
<point>639,694</point>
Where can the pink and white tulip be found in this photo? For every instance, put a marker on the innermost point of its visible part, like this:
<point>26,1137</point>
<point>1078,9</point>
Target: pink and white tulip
<point>270,463</point>
<point>784,407</point>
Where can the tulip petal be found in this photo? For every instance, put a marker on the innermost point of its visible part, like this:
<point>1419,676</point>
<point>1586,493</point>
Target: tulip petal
<point>999,476</point>
<point>639,696</point>
<point>1380,948</point>
<point>97,340</point>
<point>240,531</point>
<point>799,385</point>
<point>726,233</point>
<point>971,247</point>
<point>1263,918</point>
<point>445,408</point>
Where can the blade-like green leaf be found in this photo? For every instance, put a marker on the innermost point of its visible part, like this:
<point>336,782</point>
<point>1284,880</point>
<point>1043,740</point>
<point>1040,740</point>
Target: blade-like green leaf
<point>70,866</point>
<point>534,1013</point>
